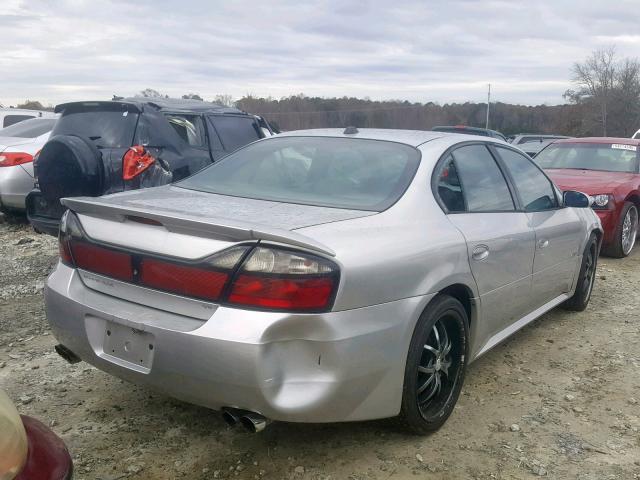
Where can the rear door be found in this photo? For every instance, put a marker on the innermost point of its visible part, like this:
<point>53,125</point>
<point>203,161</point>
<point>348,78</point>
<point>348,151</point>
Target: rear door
<point>500,241</point>
<point>558,230</point>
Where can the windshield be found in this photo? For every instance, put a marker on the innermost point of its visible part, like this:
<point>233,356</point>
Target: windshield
<point>332,172</point>
<point>108,128</point>
<point>590,156</point>
<point>31,128</point>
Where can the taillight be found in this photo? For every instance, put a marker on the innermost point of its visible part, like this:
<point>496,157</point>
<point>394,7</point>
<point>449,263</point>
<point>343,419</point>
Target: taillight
<point>77,251</point>
<point>11,159</point>
<point>261,277</point>
<point>104,261</point>
<point>136,161</point>
<point>277,279</point>
<point>205,280</point>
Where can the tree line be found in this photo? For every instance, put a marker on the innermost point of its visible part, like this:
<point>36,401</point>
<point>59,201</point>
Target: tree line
<point>604,99</point>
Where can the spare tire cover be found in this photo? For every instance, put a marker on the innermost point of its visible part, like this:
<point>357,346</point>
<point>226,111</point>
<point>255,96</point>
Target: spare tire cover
<point>69,166</point>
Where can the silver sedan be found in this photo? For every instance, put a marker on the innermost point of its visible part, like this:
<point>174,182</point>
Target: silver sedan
<point>322,275</point>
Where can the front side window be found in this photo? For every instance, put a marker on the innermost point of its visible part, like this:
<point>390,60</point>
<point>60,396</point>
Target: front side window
<point>330,172</point>
<point>483,186</point>
<point>535,190</point>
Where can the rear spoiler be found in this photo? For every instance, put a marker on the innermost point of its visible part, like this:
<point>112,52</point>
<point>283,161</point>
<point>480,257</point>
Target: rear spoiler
<point>217,227</point>
<point>112,105</point>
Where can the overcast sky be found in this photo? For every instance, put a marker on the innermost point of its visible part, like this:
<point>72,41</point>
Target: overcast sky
<point>422,51</point>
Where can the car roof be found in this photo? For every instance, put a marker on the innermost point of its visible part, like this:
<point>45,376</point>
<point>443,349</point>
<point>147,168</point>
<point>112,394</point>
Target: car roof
<point>600,140</point>
<point>162,104</point>
<point>408,137</point>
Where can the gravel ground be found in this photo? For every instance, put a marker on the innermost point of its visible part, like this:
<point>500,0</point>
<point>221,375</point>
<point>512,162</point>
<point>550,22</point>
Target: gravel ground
<point>561,399</point>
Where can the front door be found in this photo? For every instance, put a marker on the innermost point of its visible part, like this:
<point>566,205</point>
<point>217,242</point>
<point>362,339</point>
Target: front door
<point>557,229</point>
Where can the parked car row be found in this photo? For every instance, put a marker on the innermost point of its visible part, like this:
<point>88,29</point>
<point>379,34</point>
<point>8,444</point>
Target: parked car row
<point>344,275</point>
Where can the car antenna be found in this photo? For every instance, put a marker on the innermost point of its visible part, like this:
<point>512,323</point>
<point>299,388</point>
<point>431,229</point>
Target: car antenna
<point>350,130</point>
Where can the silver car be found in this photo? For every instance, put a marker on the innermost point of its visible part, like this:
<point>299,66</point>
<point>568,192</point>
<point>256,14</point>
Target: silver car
<point>322,275</point>
<point>19,144</point>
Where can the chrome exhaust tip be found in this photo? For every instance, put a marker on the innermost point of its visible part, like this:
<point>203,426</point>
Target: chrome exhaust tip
<point>253,422</point>
<point>230,417</point>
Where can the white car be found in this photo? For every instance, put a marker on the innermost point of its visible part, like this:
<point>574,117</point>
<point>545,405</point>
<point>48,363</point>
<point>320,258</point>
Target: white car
<point>18,145</point>
<point>11,116</point>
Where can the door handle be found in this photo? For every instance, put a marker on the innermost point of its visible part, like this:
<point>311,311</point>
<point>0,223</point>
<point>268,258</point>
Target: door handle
<point>480,252</point>
<point>543,243</point>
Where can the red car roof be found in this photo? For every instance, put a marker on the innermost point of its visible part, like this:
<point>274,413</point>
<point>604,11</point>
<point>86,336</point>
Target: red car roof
<point>601,140</point>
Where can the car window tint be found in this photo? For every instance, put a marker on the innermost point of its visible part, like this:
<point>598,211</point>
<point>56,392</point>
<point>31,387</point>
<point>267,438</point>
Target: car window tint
<point>333,172</point>
<point>32,128</point>
<point>108,126</point>
<point>484,186</point>
<point>12,119</point>
<point>189,128</point>
<point>450,188</point>
<point>235,131</point>
<point>535,189</point>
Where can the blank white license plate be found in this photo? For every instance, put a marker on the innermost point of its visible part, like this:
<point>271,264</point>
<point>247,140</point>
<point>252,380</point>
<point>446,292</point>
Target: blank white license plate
<point>128,344</point>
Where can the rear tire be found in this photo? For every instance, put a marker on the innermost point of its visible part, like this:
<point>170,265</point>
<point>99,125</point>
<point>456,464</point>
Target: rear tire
<point>626,232</point>
<point>586,277</point>
<point>436,366</point>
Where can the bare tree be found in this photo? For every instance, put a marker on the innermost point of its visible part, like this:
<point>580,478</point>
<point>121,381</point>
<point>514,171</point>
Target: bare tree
<point>626,97</point>
<point>595,81</point>
<point>192,96</point>
<point>151,93</point>
<point>224,99</point>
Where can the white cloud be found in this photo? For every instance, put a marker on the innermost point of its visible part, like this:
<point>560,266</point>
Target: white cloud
<point>417,50</point>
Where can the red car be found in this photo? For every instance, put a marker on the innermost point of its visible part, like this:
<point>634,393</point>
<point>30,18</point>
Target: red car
<point>28,449</point>
<point>608,169</point>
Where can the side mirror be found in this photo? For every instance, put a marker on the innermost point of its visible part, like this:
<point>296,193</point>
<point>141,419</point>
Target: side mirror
<point>575,199</point>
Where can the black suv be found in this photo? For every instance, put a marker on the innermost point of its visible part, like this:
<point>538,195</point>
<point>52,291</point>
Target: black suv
<point>97,148</point>
<point>483,132</point>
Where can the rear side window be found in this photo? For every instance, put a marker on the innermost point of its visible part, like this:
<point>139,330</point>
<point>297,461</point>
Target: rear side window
<point>32,128</point>
<point>481,182</point>
<point>235,131</point>
<point>189,128</point>
<point>13,119</point>
<point>107,128</point>
<point>534,188</point>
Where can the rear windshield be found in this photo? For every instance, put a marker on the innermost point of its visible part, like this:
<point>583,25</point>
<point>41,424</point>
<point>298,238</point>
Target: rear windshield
<point>590,156</point>
<point>111,128</point>
<point>31,128</point>
<point>331,172</point>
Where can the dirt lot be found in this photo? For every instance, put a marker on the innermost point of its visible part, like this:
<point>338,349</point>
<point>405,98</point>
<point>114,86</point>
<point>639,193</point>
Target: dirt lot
<point>561,399</point>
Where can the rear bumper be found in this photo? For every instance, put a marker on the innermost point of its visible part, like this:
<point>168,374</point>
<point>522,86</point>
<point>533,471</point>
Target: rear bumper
<point>338,366</point>
<point>43,216</point>
<point>15,184</point>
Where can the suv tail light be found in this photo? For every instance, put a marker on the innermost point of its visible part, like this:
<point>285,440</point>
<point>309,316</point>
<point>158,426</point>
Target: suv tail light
<point>11,159</point>
<point>266,278</point>
<point>136,161</point>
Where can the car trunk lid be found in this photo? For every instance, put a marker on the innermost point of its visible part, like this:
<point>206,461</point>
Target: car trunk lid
<point>168,214</point>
